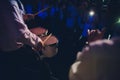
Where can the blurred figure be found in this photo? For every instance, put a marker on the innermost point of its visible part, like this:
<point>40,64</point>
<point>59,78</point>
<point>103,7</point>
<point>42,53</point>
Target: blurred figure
<point>98,61</point>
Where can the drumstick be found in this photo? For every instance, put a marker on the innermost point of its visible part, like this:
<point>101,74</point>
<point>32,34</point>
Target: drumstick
<point>47,38</point>
<point>41,11</point>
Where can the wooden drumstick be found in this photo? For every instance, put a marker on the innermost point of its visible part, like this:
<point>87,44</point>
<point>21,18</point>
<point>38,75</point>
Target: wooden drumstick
<point>47,38</point>
<point>40,11</point>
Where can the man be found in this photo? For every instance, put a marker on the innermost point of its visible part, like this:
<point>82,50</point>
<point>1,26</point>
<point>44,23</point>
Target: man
<point>17,62</point>
<point>98,61</point>
<point>15,32</point>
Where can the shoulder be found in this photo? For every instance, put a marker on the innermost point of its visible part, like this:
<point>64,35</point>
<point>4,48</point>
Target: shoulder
<point>13,2</point>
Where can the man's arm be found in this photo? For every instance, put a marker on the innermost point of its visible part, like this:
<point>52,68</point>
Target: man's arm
<point>24,34</point>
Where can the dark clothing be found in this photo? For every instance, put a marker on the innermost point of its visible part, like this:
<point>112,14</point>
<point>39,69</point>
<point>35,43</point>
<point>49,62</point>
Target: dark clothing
<point>22,64</point>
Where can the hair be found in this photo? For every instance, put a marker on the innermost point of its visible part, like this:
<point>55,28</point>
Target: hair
<point>98,61</point>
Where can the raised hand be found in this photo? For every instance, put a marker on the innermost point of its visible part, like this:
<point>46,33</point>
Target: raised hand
<point>95,34</point>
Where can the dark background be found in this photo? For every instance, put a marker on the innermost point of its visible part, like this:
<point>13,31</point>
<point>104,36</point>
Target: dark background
<point>68,20</point>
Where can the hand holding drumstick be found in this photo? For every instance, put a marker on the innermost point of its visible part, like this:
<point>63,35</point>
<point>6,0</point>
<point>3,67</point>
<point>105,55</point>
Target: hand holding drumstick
<point>28,17</point>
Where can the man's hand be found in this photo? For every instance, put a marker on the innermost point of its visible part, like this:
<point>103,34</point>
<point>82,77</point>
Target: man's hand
<point>95,35</point>
<point>28,17</point>
<point>39,47</point>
